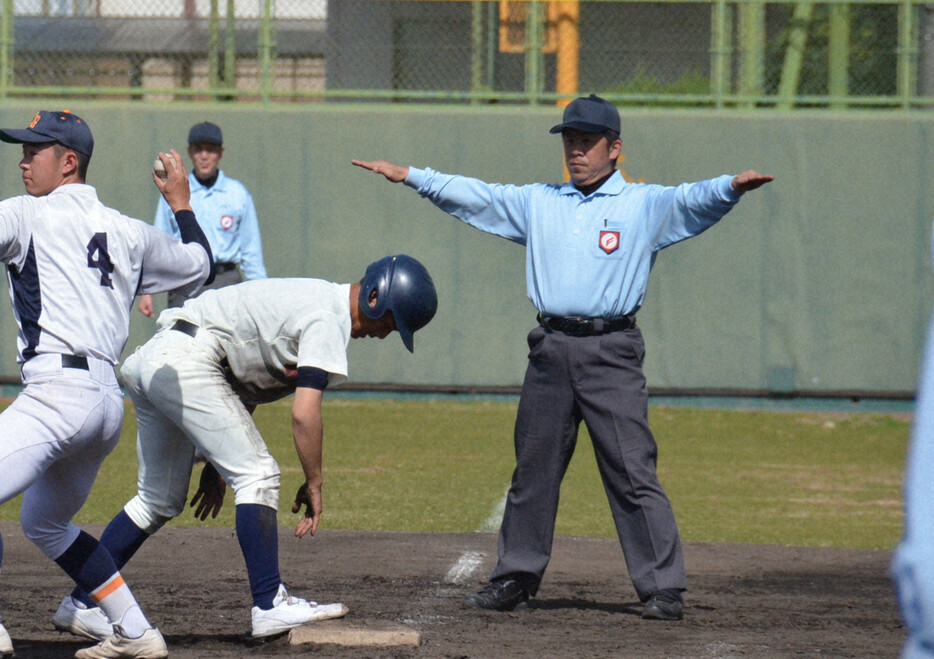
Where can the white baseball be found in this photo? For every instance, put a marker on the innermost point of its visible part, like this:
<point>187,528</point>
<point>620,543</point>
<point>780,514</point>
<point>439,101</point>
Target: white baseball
<point>159,168</point>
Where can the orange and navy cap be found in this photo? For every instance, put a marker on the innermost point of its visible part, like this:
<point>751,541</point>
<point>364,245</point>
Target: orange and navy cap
<point>63,127</point>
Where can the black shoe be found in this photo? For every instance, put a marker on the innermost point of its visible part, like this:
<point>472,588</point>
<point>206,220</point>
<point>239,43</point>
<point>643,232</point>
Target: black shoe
<point>502,595</point>
<point>664,605</point>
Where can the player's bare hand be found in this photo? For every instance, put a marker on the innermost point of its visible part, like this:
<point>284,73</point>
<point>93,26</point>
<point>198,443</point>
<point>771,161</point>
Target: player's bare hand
<point>174,187</point>
<point>750,180</point>
<point>146,306</point>
<point>310,497</point>
<point>394,173</point>
<point>210,495</point>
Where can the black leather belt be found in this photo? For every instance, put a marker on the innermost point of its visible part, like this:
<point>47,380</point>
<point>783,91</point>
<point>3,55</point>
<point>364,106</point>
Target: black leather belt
<point>224,267</point>
<point>191,330</point>
<point>185,327</point>
<point>581,326</point>
<point>75,361</point>
<point>72,361</point>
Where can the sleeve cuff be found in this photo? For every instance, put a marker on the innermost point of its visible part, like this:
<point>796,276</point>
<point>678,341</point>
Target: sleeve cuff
<point>726,189</point>
<point>415,178</point>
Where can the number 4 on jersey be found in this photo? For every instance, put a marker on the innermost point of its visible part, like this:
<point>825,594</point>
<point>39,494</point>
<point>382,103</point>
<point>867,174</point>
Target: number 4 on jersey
<point>99,258</point>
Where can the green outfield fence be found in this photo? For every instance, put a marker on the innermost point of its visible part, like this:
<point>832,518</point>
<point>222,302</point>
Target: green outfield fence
<point>720,53</point>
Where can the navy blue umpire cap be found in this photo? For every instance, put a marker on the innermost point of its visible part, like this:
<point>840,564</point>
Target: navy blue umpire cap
<point>63,127</point>
<point>206,132</point>
<point>591,115</point>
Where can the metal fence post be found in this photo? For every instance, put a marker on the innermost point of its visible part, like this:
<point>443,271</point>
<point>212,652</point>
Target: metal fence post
<point>794,55</point>
<point>720,51</point>
<point>839,64</point>
<point>213,41</point>
<point>533,51</point>
<point>266,46</point>
<point>752,31</point>
<point>925,75</point>
<point>6,47</point>
<point>476,49</point>
<point>492,44</point>
<point>906,50</point>
<point>230,48</point>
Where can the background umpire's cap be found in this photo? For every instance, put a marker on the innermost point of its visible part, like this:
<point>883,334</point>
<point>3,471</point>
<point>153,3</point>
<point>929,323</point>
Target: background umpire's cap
<point>206,132</point>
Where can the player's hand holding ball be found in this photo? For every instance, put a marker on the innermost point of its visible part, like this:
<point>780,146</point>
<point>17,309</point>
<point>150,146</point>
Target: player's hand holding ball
<point>172,180</point>
<point>158,168</point>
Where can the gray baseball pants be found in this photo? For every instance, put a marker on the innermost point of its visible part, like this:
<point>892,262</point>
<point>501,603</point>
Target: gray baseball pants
<point>597,380</point>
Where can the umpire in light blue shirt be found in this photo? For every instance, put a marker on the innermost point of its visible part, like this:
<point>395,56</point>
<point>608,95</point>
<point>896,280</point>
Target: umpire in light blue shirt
<point>225,211</point>
<point>913,563</point>
<point>590,244</point>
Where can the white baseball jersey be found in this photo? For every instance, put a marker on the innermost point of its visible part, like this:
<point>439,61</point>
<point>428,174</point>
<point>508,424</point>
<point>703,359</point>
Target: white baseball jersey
<point>268,328</point>
<point>75,265</point>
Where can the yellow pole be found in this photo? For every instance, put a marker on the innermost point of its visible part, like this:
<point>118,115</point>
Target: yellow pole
<point>567,56</point>
<point>567,18</point>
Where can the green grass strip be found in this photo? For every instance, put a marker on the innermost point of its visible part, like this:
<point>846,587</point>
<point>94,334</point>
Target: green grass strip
<point>817,479</point>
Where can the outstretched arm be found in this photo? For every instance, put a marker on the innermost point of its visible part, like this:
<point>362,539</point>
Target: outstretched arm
<point>750,180</point>
<point>393,173</point>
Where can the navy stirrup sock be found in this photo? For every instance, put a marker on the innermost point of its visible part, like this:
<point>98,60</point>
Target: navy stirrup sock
<point>122,538</point>
<point>87,562</point>
<point>258,534</point>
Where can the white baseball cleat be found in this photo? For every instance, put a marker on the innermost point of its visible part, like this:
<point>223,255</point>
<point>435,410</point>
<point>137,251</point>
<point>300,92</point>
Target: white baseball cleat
<point>6,643</point>
<point>75,618</point>
<point>150,645</point>
<point>288,612</point>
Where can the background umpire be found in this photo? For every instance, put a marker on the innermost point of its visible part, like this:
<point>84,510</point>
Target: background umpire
<point>225,211</point>
<point>590,245</point>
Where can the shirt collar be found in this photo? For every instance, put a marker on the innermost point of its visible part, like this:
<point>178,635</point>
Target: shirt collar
<point>612,186</point>
<point>220,185</point>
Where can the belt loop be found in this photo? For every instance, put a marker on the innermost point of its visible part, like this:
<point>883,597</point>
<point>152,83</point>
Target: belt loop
<point>598,326</point>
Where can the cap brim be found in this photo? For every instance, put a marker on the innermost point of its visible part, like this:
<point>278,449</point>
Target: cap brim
<point>23,136</point>
<point>579,125</point>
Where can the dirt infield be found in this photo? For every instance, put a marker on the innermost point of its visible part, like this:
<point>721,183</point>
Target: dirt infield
<point>744,601</point>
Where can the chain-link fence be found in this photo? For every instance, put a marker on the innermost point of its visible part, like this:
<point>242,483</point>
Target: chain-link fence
<point>723,53</point>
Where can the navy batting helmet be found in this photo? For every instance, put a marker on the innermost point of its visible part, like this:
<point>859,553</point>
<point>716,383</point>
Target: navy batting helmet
<point>404,287</point>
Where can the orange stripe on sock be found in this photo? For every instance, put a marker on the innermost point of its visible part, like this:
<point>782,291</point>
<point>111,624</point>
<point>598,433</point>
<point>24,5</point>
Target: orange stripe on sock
<point>108,588</point>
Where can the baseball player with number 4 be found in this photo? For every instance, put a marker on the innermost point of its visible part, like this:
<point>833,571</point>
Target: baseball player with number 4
<point>75,268</point>
<point>194,386</point>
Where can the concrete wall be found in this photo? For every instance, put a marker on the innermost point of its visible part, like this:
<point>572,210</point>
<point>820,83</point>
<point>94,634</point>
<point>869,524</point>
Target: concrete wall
<point>820,281</point>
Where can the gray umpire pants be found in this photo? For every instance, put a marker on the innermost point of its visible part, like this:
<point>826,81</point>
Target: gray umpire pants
<point>597,380</point>
<point>223,277</point>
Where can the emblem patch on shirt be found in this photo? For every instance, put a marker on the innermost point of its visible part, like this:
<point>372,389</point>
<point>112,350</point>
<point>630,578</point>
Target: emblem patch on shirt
<point>227,221</point>
<point>609,241</point>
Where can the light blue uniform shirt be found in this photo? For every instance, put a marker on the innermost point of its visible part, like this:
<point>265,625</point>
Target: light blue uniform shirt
<point>585,256</point>
<point>226,214</point>
<point>913,566</point>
